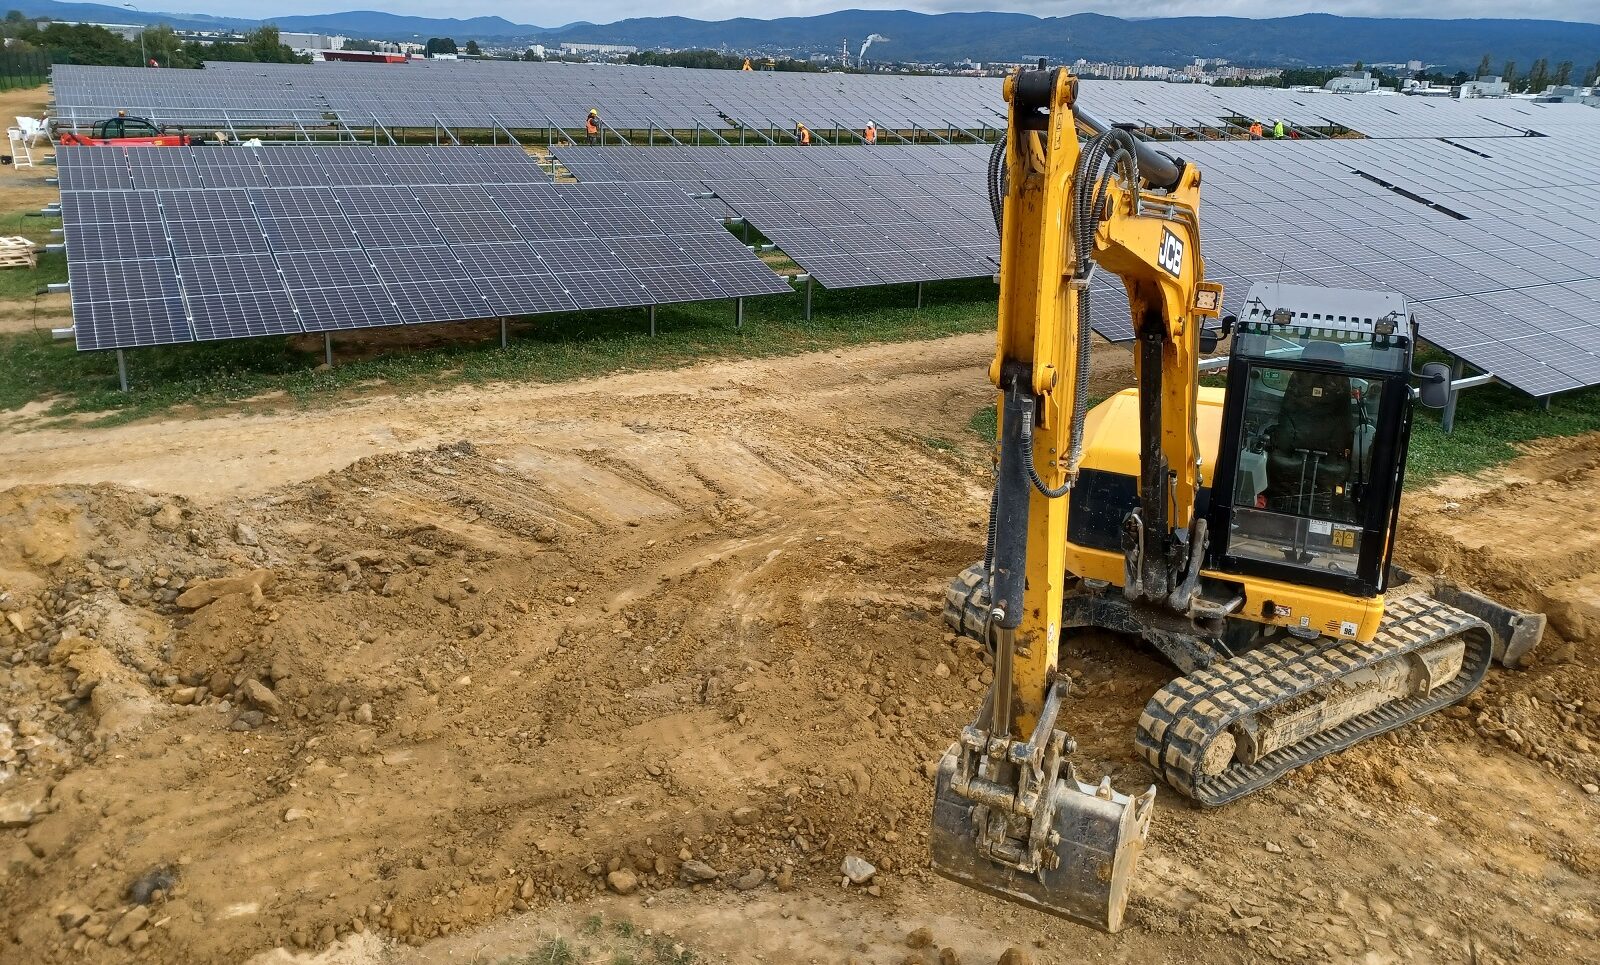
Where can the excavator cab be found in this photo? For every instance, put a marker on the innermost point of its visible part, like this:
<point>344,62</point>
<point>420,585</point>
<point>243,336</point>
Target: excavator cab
<point>1313,435</point>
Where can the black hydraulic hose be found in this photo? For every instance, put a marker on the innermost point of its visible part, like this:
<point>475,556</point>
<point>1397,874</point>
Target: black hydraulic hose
<point>994,526</point>
<point>997,168</point>
<point>1027,459</point>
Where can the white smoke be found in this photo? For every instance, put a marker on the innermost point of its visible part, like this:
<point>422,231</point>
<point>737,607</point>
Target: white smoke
<point>873,39</point>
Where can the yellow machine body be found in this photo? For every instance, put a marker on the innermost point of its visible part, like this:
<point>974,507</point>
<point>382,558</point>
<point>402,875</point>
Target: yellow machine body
<point>1111,445</point>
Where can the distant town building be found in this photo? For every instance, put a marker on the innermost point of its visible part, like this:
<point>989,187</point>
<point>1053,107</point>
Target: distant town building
<point>313,44</point>
<point>603,49</point>
<point>1352,82</point>
<point>1413,65</point>
<point>1490,86</point>
<point>1569,94</point>
<point>364,56</point>
<point>1423,88</point>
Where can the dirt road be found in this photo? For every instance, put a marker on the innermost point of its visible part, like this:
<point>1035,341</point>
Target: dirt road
<point>492,655</point>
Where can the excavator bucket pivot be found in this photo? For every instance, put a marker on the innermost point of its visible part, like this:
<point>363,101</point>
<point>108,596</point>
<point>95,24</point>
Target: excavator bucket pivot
<point>1095,838</point>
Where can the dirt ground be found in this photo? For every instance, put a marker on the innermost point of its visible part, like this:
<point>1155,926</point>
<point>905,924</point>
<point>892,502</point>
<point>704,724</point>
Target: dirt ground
<point>485,650</point>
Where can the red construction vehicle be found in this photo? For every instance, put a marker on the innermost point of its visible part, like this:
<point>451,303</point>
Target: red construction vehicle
<point>125,131</point>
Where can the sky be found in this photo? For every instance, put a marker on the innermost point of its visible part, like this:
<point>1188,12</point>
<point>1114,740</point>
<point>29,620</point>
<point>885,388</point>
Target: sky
<point>554,14</point>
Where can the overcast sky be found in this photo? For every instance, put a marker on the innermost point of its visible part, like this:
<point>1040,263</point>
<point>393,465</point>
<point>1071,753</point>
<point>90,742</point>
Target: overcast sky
<point>554,14</point>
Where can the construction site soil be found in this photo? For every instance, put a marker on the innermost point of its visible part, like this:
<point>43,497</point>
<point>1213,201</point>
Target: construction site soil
<point>444,677</point>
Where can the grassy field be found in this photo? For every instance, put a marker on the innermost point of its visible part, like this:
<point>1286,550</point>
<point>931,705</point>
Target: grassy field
<point>548,349</point>
<point>1490,421</point>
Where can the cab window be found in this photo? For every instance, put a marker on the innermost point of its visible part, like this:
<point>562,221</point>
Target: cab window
<point>1304,462</point>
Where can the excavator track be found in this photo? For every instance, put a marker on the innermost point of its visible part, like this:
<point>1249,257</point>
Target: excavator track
<point>1188,730</point>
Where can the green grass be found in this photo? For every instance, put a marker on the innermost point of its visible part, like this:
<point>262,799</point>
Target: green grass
<point>547,349</point>
<point>24,283</point>
<point>1489,422</point>
<point>624,944</point>
<point>556,951</point>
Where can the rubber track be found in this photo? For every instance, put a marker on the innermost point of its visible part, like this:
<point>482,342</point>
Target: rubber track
<point>1184,717</point>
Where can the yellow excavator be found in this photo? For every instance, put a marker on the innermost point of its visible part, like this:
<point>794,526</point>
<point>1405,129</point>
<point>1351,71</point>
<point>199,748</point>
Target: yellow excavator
<point>1246,534</point>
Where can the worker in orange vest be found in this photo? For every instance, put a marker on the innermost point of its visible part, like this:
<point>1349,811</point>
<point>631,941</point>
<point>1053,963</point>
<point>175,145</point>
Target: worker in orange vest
<point>1255,130</point>
<point>872,133</point>
<point>591,126</point>
<point>804,133</point>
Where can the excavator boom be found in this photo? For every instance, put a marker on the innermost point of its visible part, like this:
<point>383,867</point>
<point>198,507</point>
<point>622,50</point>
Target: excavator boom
<point>1011,816</point>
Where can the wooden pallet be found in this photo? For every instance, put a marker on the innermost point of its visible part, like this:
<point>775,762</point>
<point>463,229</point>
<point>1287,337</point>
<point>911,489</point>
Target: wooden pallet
<point>18,252</point>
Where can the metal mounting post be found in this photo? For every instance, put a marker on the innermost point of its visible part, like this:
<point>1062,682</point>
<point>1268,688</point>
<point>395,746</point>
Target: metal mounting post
<point>1544,403</point>
<point>1447,421</point>
<point>808,298</point>
<point>327,348</point>
<point>122,369</point>
<point>505,334</point>
<point>652,321</point>
<point>738,313</point>
<point>919,295</point>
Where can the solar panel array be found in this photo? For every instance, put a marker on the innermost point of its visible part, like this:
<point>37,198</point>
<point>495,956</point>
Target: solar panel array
<point>1494,244</point>
<point>1501,268</point>
<point>849,217</point>
<point>471,94</point>
<point>168,245</point>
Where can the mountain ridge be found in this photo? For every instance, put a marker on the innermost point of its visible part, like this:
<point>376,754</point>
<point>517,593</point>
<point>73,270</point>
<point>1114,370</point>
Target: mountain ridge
<point>1305,39</point>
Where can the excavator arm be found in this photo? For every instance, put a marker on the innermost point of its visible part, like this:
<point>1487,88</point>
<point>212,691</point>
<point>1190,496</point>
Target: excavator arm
<point>1010,815</point>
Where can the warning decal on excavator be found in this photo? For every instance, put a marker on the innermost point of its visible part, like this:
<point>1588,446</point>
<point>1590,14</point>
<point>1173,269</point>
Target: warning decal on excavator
<point>1170,257</point>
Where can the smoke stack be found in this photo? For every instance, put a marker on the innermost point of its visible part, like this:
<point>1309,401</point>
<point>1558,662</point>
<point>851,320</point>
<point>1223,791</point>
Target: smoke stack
<point>861,58</point>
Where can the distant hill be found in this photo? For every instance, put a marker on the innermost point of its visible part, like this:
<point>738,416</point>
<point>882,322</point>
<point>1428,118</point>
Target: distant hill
<point>1311,39</point>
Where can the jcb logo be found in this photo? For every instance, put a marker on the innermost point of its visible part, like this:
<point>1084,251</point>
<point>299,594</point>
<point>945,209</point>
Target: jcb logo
<point>1170,257</point>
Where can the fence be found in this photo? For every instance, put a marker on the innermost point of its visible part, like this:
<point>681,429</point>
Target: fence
<point>23,68</point>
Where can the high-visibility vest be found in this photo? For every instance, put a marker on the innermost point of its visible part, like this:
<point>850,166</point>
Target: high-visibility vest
<point>872,134</point>
<point>1255,129</point>
<point>1277,129</point>
<point>592,125</point>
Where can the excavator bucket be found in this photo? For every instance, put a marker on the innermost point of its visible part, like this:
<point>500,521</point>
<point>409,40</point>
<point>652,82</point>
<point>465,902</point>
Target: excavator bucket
<point>1097,836</point>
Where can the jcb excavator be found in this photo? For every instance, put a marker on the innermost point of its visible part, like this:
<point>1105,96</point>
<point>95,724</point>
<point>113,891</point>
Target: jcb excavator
<point>1244,533</point>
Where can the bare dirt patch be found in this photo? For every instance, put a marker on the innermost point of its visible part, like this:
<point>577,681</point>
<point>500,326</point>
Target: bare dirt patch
<point>491,657</point>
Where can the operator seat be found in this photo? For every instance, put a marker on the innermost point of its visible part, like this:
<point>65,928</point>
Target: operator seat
<point>1315,418</point>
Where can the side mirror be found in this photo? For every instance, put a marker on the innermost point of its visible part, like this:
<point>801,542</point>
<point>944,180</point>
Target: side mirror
<point>1211,337</point>
<point>1435,386</point>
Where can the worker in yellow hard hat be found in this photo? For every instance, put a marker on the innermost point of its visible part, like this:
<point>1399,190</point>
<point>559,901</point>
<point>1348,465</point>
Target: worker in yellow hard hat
<point>591,126</point>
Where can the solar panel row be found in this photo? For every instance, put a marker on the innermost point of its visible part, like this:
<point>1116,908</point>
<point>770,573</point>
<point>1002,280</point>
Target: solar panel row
<point>341,238</point>
<point>471,94</point>
<point>1494,246</point>
<point>848,217</point>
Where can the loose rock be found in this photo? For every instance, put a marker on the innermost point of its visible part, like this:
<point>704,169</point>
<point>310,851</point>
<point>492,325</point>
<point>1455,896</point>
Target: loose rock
<point>698,871</point>
<point>920,938</point>
<point>1015,956</point>
<point>754,878</point>
<point>623,881</point>
<point>128,924</point>
<point>209,591</point>
<point>257,693</point>
<point>858,871</point>
<point>17,813</point>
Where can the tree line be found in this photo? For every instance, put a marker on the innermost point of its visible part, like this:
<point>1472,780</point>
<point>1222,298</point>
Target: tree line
<point>88,44</point>
<point>1540,75</point>
<point>718,61</point>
